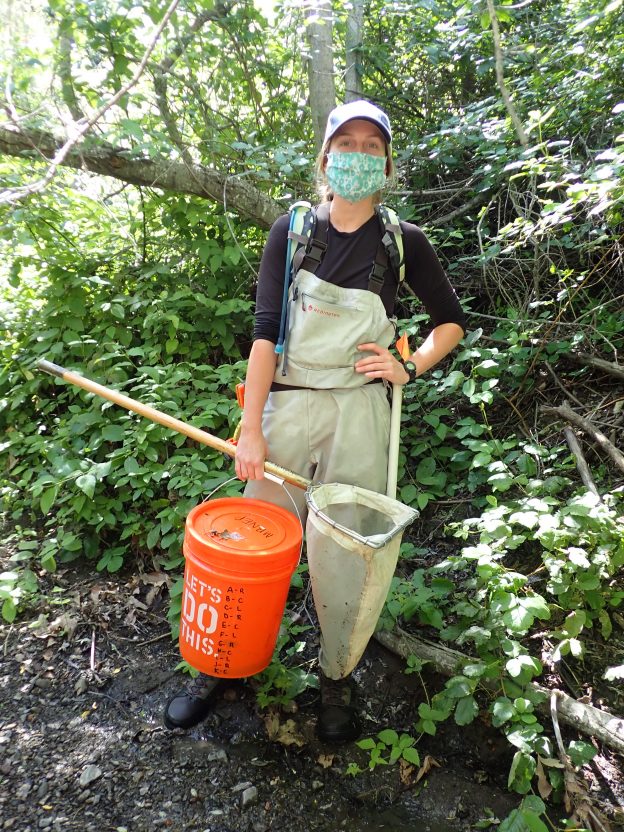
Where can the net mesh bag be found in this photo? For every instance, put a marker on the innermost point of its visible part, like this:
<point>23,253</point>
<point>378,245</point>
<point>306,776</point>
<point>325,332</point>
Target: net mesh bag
<point>353,540</point>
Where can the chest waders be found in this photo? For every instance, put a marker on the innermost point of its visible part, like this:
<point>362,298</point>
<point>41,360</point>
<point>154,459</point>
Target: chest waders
<point>333,427</point>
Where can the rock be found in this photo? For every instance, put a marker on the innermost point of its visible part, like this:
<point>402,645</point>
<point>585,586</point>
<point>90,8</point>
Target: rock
<point>240,787</point>
<point>89,774</point>
<point>316,785</point>
<point>23,791</point>
<point>249,797</point>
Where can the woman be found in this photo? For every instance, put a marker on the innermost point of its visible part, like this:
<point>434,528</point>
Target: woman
<point>320,407</point>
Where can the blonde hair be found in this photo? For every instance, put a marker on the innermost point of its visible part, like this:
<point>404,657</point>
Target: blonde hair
<point>322,185</point>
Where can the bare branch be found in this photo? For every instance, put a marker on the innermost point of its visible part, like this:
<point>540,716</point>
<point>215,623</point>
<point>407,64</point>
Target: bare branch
<point>581,462</point>
<point>13,195</point>
<point>500,78</point>
<point>566,413</point>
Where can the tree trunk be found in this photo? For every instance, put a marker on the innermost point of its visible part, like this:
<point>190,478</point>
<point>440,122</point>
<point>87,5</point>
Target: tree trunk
<point>319,32</point>
<point>239,195</point>
<point>354,37</point>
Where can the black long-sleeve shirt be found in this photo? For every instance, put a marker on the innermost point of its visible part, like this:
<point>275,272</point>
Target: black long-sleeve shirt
<point>348,262</point>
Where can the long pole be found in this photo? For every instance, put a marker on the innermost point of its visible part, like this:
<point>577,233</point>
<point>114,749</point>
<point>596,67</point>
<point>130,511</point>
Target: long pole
<point>164,419</point>
<point>395,434</point>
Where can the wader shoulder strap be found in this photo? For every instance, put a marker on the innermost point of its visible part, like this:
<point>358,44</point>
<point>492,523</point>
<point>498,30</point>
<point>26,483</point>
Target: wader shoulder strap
<point>309,233</point>
<point>309,258</point>
<point>392,239</point>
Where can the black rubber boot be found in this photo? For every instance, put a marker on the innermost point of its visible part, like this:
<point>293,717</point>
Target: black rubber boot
<point>193,704</point>
<point>338,719</point>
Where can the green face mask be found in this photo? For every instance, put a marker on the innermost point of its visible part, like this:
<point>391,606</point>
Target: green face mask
<point>354,176</point>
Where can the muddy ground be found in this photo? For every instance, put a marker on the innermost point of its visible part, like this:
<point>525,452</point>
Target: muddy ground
<point>83,747</point>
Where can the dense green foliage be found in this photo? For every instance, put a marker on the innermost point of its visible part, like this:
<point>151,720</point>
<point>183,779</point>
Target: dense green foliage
<point>152,292</point>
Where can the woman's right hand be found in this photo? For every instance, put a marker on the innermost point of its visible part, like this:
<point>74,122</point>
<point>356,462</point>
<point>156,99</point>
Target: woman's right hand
<point>251,452</point>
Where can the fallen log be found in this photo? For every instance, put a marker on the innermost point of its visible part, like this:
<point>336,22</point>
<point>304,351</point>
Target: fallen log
<point>598,363</point>
<point>587,719</point>
<point>566,413</point>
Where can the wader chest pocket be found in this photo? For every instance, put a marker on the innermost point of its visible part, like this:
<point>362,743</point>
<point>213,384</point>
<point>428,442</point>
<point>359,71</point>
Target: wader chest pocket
<point>325,334</point>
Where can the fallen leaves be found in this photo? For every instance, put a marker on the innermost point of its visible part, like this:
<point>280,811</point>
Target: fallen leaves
<point>285,733</point>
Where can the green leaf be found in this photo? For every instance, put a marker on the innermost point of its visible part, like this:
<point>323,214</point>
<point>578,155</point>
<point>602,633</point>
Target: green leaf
<point>366,744</point>
<point>115,563</point>
<point>581,752</point>
<point>48,562</point>
<point>521,772</point>
<point>574,623</point>
<point>388,736</point>
<point>395,754</point>
<point>113,433</point>
<point>518,619</point>
<point>533,822</point>
<point>9,610</point>
<point>153,537</point>
<point>409,492</point>
<point>502,711</point>
<point>536,605</point>
<point>412,756</point>
<point>422,500</point>
<point>533,803</point>
<point>466,710</point>
<point>606,627</point>
<point>87,483</point>
<point>474,671</point>
<point>131,466</point>
<point>47,498</point>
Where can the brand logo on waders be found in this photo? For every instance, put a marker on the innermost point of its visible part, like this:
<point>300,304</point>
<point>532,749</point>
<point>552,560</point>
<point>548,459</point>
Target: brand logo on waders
<point>325,312</point>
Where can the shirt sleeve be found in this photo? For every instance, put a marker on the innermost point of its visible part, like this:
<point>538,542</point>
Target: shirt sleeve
<point>426,277</point>
<point>271,282</point>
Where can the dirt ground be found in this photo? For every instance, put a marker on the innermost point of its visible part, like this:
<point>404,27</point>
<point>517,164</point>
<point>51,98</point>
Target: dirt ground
<point>82,687</point>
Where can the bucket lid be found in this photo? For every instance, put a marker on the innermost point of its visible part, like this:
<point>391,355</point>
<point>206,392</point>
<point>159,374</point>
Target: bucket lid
<point>242,526</point>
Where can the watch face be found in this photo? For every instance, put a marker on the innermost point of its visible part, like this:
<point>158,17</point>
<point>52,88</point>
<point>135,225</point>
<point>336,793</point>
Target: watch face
<point>410,366</point>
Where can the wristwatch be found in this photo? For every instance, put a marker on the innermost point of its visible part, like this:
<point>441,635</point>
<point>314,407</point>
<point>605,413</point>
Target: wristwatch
<point>410,369</point>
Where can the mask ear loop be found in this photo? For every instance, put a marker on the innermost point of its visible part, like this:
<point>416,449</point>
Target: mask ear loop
<point>278,481</point>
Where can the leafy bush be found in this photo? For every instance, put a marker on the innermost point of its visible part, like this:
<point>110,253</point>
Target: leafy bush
<point>93,480</point>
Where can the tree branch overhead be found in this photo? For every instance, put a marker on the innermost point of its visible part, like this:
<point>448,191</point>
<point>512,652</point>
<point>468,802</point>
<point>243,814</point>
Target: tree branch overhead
<point>242,197</point>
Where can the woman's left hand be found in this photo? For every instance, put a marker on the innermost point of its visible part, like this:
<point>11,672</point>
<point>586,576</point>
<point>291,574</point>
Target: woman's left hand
<point>381,365</point>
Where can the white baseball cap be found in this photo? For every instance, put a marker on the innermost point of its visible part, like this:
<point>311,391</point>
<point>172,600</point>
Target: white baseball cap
<point>357,109</point>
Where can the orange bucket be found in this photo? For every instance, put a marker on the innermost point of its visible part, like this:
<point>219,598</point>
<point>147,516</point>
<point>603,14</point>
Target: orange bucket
<point>240,556</point>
